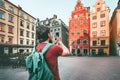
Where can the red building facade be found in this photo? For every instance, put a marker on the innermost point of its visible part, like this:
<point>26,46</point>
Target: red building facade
<point>79,30</point>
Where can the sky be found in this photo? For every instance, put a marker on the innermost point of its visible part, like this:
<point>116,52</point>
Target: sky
<point>43,9</point>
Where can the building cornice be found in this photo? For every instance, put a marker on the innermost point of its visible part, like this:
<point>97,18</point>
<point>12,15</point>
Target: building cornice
<point>19,8</point>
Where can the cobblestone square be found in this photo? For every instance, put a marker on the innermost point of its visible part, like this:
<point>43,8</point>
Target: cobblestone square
<point>74,68</point>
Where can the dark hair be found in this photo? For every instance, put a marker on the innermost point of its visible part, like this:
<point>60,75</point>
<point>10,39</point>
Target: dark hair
<point>42,34</point>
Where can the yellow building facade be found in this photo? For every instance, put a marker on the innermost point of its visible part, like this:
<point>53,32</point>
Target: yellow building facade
<point>99,29</point>
<point>17,29</point>
<point>115,31</point>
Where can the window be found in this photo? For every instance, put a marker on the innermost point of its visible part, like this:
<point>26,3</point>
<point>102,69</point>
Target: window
<point>21,41</point>
<point>33,27</point>
<point>10,18</point>
<point>78,31</point>
<point>84,21</point>
<point>58,29</point>
<point>98,9</point>
<point>10,40</point>
<point>27,34</point>
<point>72,24</point>
<point>2,27</point>
<point>27,42</point>
<point>78,8</point>
<point>81,14</point>
<point>102,42</point>
<point>98,3</point>
<point>75,16</point>
<point>32,42</point>
<point>72,32</point>
<point>102,23</point>
<point>21,23</point>
<point>10,29</point>
<point>94,43</point>
<point>94,25</point>
<point>78,41</point>
<point>28,25</point>
<point>2,3</point>
<point>54,23</point>
<point>57,34</point>
<point>11,9</point>
<point>22,14</point>
<point>2,15</point>
<point>32,35</point>
<point>21,32</point>
<point>27,50</point>
<point>28,18</point>
<point>84,41</point>
<point>78,23</point>
<point>94,33</point>
<point>102,15</point>
<point>94,17</point>
<point>102,32</point>
<point>1,38</point>
<point>84,31</point>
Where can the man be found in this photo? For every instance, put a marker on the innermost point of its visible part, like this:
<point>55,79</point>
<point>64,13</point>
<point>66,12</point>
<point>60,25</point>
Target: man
<point>44,36</point>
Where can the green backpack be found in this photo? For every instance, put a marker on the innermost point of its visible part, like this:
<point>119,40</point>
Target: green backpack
<point>37,66</point>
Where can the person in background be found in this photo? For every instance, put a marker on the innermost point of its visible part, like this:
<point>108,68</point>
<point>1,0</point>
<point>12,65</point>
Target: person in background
<point>43,37</point>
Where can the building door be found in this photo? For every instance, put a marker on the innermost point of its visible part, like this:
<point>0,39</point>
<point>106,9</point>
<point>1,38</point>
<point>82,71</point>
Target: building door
<point>93,52</point>
<point>73,51</point>
<point>100,51</point>
<point>78,52</point>
<point>85,52</point>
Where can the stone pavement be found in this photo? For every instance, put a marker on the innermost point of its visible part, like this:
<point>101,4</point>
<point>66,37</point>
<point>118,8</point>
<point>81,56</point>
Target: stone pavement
<point>74,68</point>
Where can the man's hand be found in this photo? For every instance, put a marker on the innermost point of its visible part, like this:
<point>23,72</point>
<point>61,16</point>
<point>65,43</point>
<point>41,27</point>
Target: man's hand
<point>58,41</point>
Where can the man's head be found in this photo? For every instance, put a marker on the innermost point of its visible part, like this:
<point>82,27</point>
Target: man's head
<point>43,34</point>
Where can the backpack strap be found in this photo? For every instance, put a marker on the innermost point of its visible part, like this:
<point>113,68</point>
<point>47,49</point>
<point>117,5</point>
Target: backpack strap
<point>47,46</point>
